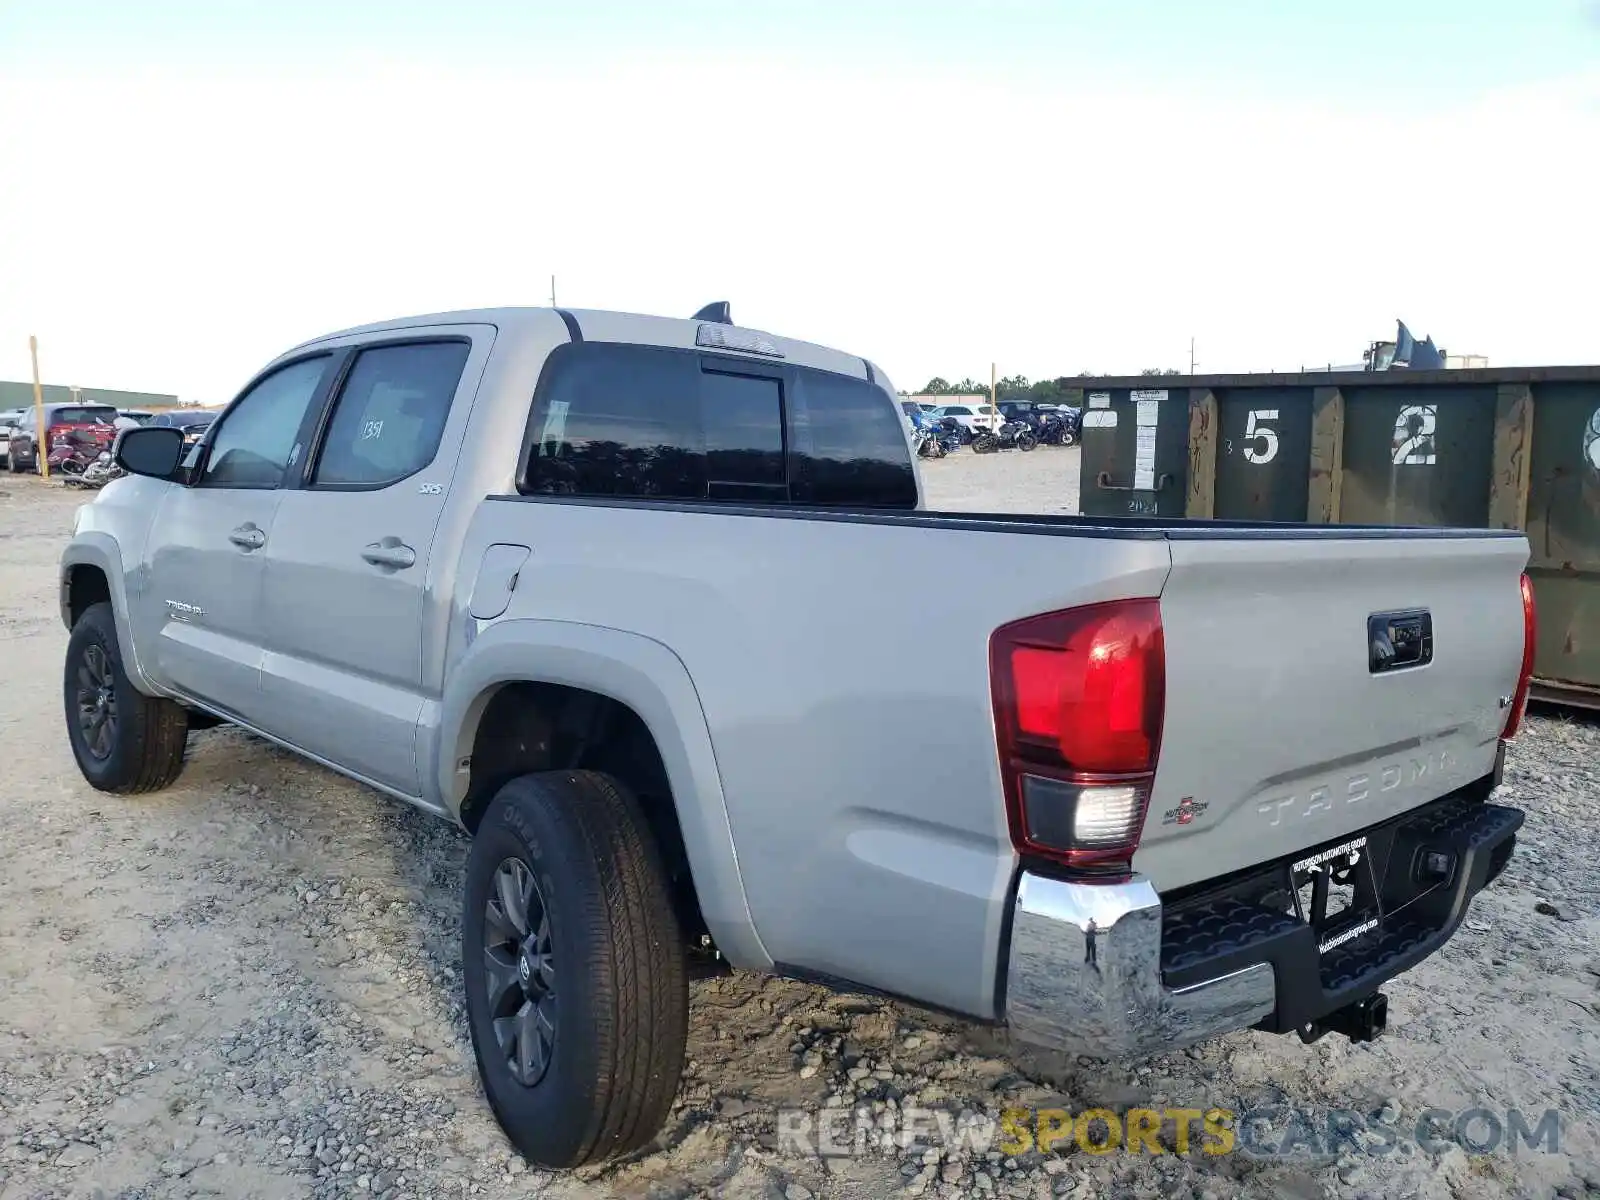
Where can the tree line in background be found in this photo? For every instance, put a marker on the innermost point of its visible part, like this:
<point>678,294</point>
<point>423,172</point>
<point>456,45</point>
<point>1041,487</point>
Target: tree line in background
<point>1017,387</point>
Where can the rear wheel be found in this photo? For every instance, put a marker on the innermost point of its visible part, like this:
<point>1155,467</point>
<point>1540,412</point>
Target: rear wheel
<point>577,998</point>
<point>1026,441</point>
<point>123,740</point>
<point>1068,437</point>
<point>985,443</point>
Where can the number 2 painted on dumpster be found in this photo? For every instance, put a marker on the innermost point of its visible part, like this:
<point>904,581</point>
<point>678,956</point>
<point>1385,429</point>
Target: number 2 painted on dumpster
<point>1413,436</point>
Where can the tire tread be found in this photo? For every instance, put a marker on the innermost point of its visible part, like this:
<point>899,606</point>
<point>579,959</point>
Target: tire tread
<point>155,729</point>
<point>635,1027</point>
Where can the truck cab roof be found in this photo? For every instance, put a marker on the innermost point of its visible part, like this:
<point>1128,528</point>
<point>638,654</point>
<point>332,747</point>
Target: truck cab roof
<point>601,325</point>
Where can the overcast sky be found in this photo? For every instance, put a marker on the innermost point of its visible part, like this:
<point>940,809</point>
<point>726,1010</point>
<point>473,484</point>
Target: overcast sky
<point>191,187</point>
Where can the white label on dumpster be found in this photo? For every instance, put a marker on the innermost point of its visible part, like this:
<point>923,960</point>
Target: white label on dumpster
<point>1099,418</point>
<point>1099,414</point>
<point>1147,402</point>
<point>1147,412</point>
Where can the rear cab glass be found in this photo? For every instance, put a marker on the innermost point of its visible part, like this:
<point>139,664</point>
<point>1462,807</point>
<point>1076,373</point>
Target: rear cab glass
<point>654,422</point>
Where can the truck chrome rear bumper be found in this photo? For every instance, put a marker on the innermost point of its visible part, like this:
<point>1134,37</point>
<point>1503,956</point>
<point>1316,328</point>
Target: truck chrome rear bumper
<point>1085,974</point>
<point>1104,969</point>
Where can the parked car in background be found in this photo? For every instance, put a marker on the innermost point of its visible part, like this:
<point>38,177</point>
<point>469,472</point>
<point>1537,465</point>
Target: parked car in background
<point>972,416</point>
<point>8,422</point>
<point>193,421</point>
<point>97,420</point>
<point>1029,412</point>
<point>139,416</point>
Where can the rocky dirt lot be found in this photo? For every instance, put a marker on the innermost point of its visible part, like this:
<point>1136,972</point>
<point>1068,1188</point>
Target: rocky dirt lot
<point>248,986</point>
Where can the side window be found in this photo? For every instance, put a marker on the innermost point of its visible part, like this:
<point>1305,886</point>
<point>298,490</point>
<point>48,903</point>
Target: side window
<point>848,445</point>
<point>958,410</point>
<point>618,420</point>
<point>390,414</point>
<point>256,441</point>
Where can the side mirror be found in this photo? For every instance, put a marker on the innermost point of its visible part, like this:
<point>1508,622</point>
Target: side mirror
<point>153,452</point>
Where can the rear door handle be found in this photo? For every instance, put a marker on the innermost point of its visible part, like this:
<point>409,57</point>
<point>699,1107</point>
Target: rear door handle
<point>391,553</point>
<point>248,537</point>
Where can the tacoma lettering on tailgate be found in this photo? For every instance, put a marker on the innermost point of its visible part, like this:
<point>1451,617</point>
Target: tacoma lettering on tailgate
<point>1325,797</point>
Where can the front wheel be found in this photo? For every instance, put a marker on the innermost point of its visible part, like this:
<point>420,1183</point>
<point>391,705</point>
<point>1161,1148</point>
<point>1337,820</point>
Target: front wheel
<point>1026,441</point>
<point>124,741</point>
<point>1068,438</point>
<point>985,443</point>
<point>577,998</point>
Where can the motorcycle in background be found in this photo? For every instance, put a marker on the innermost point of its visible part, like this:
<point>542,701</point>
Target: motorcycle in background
<point>1013,435</point>
<point>72,452</point>
<point>98,473</point>
<point>1059,427</point>
<point>954,431</point>
<point>78,458</point>
<point>927,443</point>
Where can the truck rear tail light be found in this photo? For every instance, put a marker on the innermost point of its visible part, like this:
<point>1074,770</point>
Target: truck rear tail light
<point>1530,629</point>
<point>1079,697</point>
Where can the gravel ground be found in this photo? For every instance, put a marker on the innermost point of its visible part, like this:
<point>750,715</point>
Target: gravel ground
<point>248,986</point>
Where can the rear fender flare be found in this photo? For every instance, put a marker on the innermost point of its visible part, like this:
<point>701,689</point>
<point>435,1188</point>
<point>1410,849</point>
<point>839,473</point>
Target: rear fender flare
<point>648,677</point>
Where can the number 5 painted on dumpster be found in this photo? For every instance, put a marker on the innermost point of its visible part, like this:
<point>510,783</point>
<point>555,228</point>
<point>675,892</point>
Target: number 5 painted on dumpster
<point>1255,430</point>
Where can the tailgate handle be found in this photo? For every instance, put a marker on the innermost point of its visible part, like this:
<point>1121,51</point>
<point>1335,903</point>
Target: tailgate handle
<point>1398,640</point>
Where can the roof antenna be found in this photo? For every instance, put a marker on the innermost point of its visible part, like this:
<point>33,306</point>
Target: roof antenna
<point>718,311</point>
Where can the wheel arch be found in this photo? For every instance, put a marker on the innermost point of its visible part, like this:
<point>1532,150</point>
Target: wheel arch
<point>91,571</point>
<point>645,679</point>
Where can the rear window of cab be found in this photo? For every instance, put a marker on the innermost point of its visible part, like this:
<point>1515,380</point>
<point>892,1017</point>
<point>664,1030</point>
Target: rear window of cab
<point>613,419</point>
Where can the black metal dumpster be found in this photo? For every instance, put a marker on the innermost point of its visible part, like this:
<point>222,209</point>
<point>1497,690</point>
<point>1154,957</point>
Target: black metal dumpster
<point>1138,439</point>
<point>1505,448</point>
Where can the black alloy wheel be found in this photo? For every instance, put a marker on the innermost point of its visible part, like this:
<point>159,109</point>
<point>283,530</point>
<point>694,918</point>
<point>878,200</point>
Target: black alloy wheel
<point>520,971</point>
<point>97,702</point>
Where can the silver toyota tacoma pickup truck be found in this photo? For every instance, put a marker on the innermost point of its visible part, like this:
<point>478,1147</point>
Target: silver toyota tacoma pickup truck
<point>625,598</point>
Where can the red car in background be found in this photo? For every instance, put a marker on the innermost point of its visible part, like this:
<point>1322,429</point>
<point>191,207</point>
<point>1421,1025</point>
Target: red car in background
<point>89,422</point>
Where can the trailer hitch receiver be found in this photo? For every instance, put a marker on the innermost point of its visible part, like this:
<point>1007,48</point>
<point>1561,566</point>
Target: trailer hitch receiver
<point>1361,1021</point>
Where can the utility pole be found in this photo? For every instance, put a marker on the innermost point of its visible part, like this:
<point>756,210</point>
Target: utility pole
<point>994,415</point>
<point>552,291</point>
<point>1191,356</point>
<point>41,442</point>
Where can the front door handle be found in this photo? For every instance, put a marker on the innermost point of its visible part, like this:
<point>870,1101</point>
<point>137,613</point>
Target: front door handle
<point>391,553</point>
<point>248,537</point>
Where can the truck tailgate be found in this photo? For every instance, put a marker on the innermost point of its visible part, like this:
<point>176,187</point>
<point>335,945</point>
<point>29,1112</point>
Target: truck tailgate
<point>1278,735</point>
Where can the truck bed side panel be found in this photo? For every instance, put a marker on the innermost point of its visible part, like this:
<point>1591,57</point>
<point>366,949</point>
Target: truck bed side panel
<point>843,671</point>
